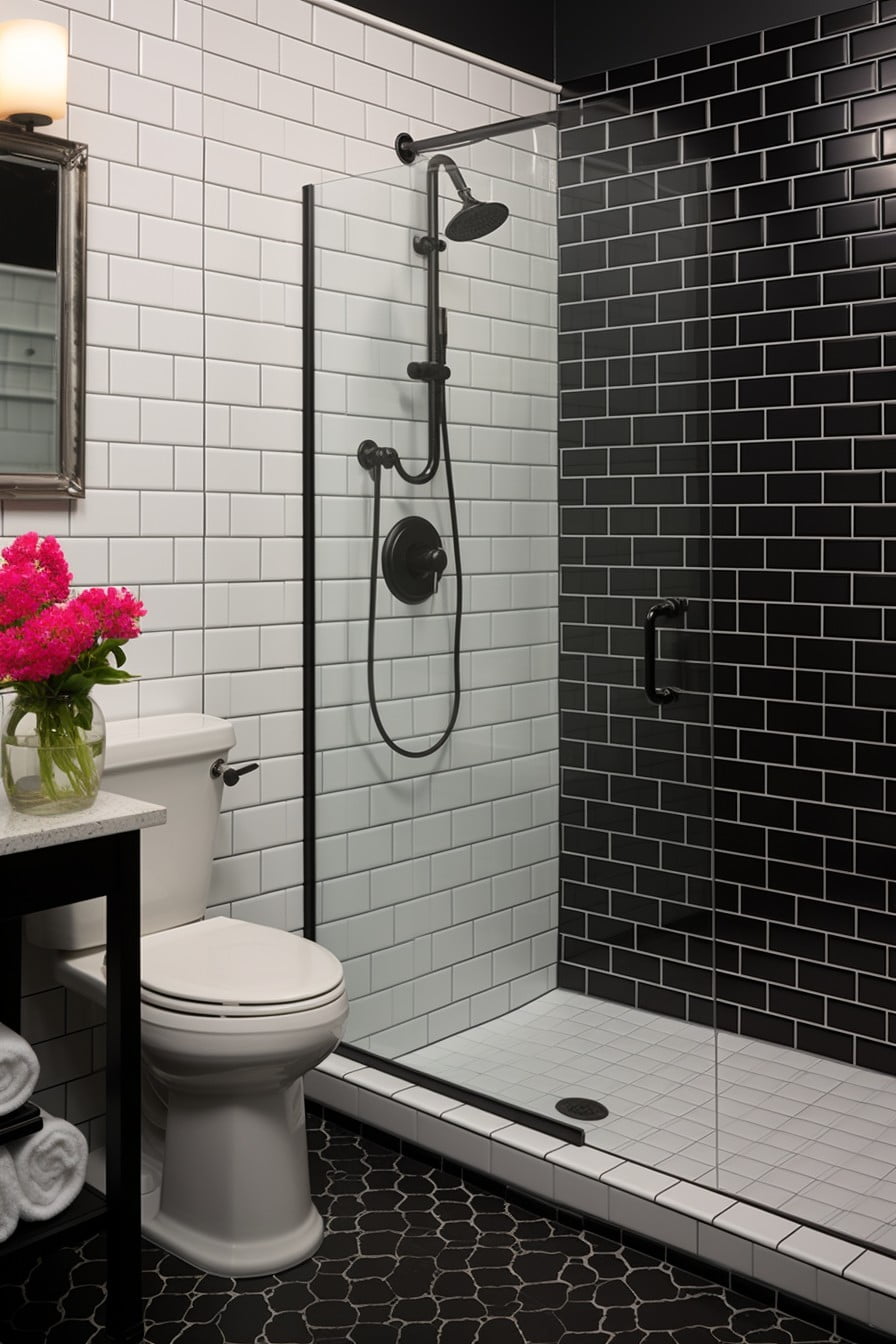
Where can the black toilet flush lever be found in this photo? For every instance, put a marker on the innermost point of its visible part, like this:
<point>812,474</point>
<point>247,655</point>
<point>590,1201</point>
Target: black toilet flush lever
<point>231,774</point>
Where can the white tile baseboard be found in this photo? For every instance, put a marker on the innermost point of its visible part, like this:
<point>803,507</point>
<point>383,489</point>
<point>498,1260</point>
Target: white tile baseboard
<point>826,1271</point>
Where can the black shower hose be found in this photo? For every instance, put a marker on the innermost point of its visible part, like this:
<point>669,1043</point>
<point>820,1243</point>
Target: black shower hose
<point>458,610</point>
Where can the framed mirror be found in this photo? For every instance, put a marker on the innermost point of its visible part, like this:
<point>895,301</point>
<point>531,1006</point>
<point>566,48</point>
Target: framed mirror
<point>43,188</point>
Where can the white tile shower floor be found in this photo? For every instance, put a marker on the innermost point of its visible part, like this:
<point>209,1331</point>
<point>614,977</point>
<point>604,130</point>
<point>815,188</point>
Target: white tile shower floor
<point>805,1136</point>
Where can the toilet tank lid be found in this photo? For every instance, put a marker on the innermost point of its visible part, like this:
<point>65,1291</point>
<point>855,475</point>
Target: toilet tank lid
<point>164,737</point>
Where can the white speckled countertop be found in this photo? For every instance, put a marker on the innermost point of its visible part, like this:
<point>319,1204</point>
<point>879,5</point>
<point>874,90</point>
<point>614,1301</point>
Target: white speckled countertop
<point>110,814</point>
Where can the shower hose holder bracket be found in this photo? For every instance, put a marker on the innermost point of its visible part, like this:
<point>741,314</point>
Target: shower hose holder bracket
<point>429,371</point>
<point>426,244</point>
<point>371,455</point>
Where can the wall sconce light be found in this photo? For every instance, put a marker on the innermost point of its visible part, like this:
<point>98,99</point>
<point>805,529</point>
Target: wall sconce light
<point>33,70</point>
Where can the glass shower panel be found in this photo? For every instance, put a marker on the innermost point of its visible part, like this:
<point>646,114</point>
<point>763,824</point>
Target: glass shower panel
<point>803,696</point>
<point>634,994</point>
<point>636,795</point>
<point>437,878</point>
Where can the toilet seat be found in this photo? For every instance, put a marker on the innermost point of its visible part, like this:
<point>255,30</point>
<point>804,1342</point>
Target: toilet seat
<point>229,968</point>
<point>171,1004</point>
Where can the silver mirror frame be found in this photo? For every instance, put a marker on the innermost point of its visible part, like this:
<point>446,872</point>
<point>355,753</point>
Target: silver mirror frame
<point>71,159</point>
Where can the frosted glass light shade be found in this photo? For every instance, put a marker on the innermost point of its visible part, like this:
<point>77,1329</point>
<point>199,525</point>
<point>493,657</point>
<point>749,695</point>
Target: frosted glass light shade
<point>33,59</point>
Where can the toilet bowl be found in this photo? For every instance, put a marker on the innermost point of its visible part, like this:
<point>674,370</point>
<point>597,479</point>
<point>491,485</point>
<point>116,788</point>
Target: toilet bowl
<point>233,1016</point>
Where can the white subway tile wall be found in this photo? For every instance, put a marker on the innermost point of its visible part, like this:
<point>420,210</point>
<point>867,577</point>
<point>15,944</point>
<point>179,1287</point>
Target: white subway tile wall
<point>203,122</point>
<point>439,877</point>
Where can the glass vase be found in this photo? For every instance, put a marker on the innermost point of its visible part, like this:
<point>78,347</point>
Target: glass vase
<point>52,753</point>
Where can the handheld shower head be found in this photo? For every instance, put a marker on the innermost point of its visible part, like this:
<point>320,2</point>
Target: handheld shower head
<point>475,218</point>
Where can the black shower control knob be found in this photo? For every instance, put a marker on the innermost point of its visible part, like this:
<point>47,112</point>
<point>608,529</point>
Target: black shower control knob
<point>427,560</point>
<point>413,559</point>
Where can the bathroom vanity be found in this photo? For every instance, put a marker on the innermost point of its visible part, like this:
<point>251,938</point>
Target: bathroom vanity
<point>52,861</point>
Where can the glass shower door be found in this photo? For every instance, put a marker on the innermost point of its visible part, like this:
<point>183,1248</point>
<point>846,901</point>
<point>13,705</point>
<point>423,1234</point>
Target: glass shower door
<point>802,704</point>
<point>636,949</point>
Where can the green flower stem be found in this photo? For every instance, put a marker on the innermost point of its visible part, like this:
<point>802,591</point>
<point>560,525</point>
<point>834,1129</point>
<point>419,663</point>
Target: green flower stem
<point>62,750</point>
<point>63,714</point>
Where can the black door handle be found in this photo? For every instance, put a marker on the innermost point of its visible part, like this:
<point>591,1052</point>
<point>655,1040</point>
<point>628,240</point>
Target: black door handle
<point>668,606</point>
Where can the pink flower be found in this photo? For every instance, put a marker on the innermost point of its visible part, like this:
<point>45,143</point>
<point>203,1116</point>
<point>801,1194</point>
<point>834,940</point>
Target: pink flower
<point>114,612</point>
<point>45,646</point>
<point>22,551</point>
<point>34,575</point>
<point>53,566</point>
<point>45,634</point>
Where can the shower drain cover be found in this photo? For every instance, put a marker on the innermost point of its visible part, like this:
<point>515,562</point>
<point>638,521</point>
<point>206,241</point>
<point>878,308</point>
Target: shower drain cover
<point>582,1108</point>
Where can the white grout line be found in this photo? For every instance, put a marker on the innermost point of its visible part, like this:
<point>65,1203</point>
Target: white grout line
<point>852,1281</point>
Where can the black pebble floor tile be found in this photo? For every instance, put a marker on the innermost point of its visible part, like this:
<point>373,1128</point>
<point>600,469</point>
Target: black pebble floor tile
<point>412,1256</point>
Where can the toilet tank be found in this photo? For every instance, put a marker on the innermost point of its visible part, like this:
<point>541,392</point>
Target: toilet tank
<point>163,759</point>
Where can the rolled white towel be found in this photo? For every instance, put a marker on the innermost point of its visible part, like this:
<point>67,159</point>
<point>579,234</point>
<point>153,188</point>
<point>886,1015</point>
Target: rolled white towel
<point>9,1196</point>
<point>50,1169</point>
<point>18,1070</point>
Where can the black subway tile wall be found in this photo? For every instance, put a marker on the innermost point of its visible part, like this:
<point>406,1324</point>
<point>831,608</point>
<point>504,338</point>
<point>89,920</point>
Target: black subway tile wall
<point>728,407</point>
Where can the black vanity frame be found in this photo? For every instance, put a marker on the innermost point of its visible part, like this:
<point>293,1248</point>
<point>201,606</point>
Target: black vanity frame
<point>40,879</point>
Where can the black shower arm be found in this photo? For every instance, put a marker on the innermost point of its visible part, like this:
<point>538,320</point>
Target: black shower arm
<point>407,148</point>
<point>442,161</point>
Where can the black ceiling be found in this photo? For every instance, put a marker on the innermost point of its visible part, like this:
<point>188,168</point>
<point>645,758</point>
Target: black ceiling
<point>519,35</point>
<point>591,35</point>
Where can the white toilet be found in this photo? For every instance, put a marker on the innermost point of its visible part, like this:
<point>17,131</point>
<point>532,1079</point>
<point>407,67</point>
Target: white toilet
<point>234,1015</point>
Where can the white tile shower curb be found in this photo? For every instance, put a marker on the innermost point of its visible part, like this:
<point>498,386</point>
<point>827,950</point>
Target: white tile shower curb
<point>815,1266</point>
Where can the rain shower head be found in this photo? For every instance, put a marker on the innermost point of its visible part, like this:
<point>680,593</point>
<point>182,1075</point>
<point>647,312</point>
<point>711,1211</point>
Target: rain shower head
<point>475,218</point>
